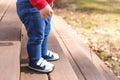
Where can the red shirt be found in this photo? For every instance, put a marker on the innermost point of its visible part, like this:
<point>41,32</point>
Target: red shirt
<point>39,4</point>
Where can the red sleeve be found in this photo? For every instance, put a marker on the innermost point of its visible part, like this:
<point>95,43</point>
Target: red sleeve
<point>39,4</point>
<point>50,1</point>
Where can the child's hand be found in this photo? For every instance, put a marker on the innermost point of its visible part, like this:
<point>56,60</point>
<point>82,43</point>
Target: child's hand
<point>46,12</point>
<point>51,4</point>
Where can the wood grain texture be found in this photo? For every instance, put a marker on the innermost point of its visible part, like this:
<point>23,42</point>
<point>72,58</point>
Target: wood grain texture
<point>9,60</point>
<point>10,25</point>
<point>9,48</point>
<point>71,60</point>
<point>4,5</point>
<point>63,69</point>
<point>85,65</point>
<point>103,68</point>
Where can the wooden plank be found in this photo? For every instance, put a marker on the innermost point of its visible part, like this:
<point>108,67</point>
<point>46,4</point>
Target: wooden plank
<point>9,50</point>
<point>9,60</point>
<point>71,60</point>
<point>4,5</point>
<point>27,74</point>
<point>103,68</point>
<point>10,25</point>
<point>68,30</point>
<point>85,65</point>
<point>1,1</point>
<point>63,69</point>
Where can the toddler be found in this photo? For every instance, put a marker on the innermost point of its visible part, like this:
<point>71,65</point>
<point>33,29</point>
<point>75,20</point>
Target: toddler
<point>36,16</point>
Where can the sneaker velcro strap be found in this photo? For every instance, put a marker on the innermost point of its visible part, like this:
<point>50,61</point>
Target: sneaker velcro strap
<point>50,53</point>
<point>40,61</point>
<point>44,63</point>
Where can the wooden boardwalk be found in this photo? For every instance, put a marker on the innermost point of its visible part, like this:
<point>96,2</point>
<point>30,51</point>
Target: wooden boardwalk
<point>10,45</point>
<point>77,61</point>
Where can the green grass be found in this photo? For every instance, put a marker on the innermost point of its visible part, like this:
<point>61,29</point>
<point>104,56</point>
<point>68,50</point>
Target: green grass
<point>101,55</point>
<point>101,6</point>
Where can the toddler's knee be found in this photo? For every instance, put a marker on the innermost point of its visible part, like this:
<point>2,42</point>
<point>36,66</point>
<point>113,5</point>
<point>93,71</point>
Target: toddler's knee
<point>36,41</point>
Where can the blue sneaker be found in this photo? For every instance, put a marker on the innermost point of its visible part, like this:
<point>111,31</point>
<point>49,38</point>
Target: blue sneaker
<point>42,66</point>
<point>51,56</point>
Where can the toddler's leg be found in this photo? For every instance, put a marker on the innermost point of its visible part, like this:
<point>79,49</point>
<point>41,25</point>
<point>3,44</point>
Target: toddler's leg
<point>46,34</point>
<point>47,54</point>
<point>35,27</point>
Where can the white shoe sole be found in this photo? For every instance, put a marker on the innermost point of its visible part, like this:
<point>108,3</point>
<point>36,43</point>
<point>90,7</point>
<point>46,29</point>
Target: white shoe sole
<point>43,71</point>
<point>52,59</point>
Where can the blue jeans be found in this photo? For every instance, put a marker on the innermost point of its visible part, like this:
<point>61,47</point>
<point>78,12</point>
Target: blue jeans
<point>37,29</point>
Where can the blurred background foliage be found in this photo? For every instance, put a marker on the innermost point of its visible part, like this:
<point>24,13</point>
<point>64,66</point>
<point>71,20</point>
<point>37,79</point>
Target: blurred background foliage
<point>97,23</point>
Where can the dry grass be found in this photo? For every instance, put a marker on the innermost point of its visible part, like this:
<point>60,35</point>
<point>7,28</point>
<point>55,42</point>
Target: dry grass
<point>98,24</point>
